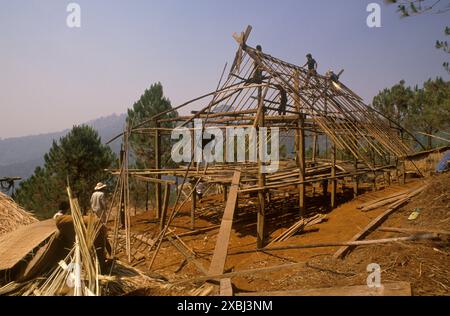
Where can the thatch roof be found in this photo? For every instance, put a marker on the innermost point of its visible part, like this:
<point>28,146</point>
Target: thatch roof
<point>12,216</point>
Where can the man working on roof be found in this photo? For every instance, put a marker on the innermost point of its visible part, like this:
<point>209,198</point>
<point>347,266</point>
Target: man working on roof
<point>312,65</point>
<point>334,77</point>
<point>98,202</point>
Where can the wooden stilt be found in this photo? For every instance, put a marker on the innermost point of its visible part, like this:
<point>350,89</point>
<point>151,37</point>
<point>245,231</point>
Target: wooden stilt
<point>313,158</point>
<point>146,196</point>
<point>355,179</point>
<point>397,172</point>
<point>333,174</point>
<point>165,205</point>
<point>157,145</point>
<point>261,176</point>
<point>403,172</point>
<point>314,148</point>
<point>300,133</point>
<point>225,193</point>
<point>301,165</point>
<point>193,207</point>
<point>122,199</point>
<point>374,182</point>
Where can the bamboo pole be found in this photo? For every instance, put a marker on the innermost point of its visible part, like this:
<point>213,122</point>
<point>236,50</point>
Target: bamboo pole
<point>157,148</point>
<point>300,133</point>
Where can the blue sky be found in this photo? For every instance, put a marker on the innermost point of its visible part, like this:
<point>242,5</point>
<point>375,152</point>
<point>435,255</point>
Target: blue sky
<point>53,77</point>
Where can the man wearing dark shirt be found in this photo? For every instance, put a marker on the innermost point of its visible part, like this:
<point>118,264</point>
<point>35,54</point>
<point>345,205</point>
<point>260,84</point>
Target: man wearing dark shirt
<point>312,65</point>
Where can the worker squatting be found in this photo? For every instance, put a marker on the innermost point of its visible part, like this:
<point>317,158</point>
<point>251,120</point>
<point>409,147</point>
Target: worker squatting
<point>208,145</point>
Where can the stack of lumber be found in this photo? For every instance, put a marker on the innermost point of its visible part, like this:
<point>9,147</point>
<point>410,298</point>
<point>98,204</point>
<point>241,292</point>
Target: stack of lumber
<point>12,216</point>
<point>374,204</point>
<point>300,225</point>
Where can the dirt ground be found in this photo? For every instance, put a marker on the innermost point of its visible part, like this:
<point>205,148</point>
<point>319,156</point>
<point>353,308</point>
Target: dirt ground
<point>425,264</point>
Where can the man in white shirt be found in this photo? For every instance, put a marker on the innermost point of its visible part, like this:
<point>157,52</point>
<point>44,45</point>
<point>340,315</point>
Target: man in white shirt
<point>98,202</point>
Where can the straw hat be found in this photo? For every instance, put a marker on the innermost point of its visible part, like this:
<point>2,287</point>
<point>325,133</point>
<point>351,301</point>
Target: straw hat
<point>100,186</point>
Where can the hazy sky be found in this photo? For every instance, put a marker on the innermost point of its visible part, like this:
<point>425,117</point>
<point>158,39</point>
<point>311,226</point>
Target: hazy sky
<point>52,76</point>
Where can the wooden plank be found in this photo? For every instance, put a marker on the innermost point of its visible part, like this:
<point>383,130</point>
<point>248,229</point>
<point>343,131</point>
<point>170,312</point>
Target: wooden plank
<point>17,244</point>
<point>386,289</point>
<point>375,222</point>
<point>226,288</point>
<point>221,249</point>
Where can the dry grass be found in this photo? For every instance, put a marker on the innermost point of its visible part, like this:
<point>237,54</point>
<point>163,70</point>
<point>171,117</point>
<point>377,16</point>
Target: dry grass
<point>12,216</point>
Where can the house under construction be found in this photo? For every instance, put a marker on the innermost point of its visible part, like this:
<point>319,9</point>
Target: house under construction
<point>261,91</point>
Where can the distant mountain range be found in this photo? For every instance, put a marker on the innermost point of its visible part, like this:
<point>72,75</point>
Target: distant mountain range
<point>19,156</point>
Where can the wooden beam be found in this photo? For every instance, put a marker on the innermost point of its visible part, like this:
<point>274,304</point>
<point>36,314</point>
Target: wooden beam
<point>386,289</point>
<point>221,249</point>
<point>154,180</point>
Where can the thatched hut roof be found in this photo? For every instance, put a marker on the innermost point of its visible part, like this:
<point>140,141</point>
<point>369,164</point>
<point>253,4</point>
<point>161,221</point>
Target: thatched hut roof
<point>12,216</point>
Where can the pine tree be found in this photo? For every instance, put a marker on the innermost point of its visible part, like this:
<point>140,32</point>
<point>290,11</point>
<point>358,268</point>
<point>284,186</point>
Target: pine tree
<point>80,158</point>
<point>150,103</point>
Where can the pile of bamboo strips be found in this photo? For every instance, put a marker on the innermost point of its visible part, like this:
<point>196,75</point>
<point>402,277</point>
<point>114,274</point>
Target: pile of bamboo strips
<point>374,204</point>
<point>300,225</point>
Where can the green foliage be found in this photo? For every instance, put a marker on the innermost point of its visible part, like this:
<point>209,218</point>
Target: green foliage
<point>443,45</point>
<point>430,108</point>
<point>425,109</point>
<point>150,103</point>
<point>80,158</point>
<point>394,102</point>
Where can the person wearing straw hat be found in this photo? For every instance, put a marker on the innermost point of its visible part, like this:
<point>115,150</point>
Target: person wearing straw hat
<point>98,203</point>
